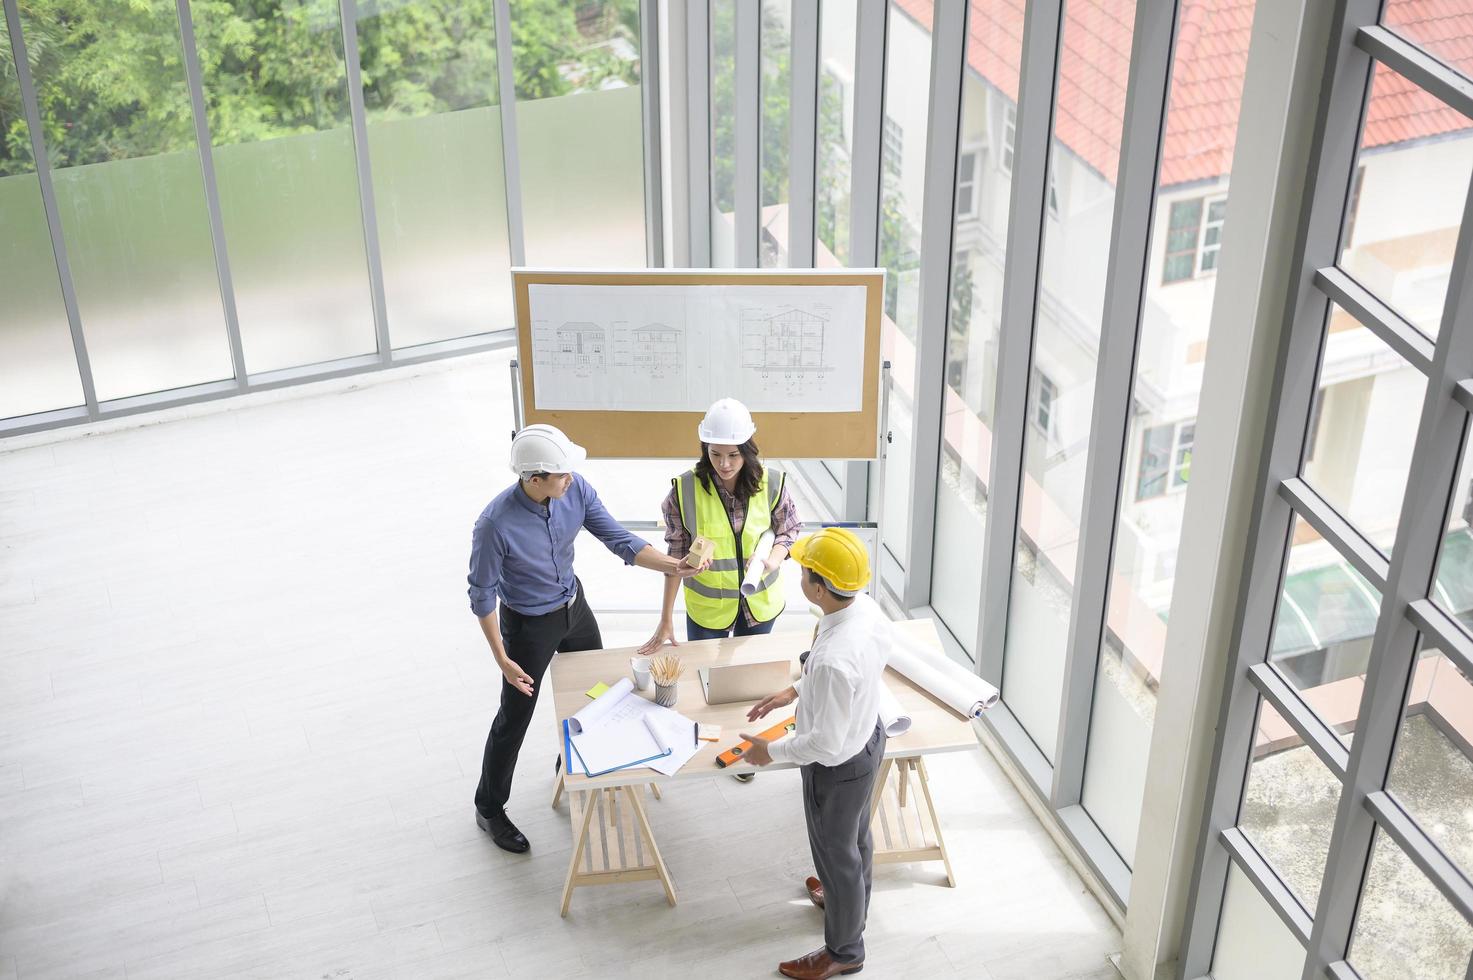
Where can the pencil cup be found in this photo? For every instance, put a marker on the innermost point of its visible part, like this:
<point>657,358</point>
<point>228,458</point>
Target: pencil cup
<point>665,695</point>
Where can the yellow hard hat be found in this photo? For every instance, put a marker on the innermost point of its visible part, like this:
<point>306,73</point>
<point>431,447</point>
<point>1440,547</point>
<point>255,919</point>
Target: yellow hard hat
<point>838,555</point>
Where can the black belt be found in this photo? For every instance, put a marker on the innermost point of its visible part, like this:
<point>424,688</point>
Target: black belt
<point>554,609</point>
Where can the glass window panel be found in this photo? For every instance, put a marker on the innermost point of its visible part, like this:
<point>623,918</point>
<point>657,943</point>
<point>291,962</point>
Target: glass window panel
<point>1289,805</point>
<point>776,83</point>
<point>1085,157</point>
<point>1252,941</point>
<point>1415,157</point>
<point>1404,927</point>
<point>1454,584</point>
<point>1120,721</point>
<point>276,90</point>
<point>1432,773</point>
<point>434,140</point>
<point>580,125</point>
<point>835,132</point>
<point>1323,629</point>
<point>130,193</point>
<point>989,87</point>
<point>723,133</point>
<point>38,368</point>
<point>902,179</point>
<point>1434,27</point>
<point>1170,352</point>
<point>1364,428</point>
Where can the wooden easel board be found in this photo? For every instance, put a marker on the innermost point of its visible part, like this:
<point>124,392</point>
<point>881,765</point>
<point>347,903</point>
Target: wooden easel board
<point>782,362</point>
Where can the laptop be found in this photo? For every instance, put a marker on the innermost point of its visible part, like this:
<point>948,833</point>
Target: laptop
<point>729,683</point>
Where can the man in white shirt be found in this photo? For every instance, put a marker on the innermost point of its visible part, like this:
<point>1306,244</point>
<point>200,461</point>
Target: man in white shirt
<point>838,742</point>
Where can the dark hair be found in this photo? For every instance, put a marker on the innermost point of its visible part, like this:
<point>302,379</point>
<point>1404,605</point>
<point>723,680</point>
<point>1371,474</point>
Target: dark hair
<point>819,580</point>
<point>539,475</point>
<point>748,478</point>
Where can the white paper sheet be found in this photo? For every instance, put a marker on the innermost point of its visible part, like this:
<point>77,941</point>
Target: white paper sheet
<point>674,348</point>
<point>892,715</point>
<point>958,688</point>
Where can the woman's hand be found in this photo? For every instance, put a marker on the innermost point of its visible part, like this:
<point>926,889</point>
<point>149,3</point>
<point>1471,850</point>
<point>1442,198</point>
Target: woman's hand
<point>664,633</point>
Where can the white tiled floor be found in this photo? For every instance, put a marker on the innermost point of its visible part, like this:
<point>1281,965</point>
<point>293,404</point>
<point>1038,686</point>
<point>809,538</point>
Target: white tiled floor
<point>242,705</point>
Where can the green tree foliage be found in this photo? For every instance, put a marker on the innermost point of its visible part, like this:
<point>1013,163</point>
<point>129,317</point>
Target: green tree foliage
<point>110,79</point>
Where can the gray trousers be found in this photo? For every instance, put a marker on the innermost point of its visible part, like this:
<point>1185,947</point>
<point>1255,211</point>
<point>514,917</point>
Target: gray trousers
<point>836,802</point>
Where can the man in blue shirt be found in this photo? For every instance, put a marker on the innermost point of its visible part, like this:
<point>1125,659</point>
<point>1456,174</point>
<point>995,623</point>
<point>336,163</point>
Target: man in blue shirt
<point>522,556</point>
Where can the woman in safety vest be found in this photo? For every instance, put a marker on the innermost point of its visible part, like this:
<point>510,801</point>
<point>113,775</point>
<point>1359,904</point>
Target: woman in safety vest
<point>731,499</point>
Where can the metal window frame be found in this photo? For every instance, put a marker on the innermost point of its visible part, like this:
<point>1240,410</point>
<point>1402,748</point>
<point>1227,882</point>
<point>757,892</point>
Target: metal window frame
<point>506,100</point>
<point>32,109</point>
<point>698,129</point>
<point>649,54</point>
<point>803,67</point>
<point>747,92</point>
<point>858,493</point>
<point>206,146</point>
<point>348,22</point>
<point>1406,615</point>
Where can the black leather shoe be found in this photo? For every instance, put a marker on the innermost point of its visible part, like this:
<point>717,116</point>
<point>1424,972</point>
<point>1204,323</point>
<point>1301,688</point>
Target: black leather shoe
<point>504,833</point>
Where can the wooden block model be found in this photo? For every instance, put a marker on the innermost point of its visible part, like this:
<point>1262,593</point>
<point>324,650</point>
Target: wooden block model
<point>700,549</point>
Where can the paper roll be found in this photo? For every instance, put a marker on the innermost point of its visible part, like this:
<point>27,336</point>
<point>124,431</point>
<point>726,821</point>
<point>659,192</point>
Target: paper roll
<point>955,686</point>
<point>892,715</point>
<point>755,568</point>
<point>600,706</point>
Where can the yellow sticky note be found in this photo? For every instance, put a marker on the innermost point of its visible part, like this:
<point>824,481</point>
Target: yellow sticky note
<point>597,689</point>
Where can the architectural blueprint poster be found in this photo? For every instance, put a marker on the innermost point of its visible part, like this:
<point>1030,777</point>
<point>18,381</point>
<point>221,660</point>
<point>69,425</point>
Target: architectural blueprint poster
<point>671,348</point>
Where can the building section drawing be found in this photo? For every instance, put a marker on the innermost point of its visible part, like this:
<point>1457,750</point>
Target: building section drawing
<point>791,340</point>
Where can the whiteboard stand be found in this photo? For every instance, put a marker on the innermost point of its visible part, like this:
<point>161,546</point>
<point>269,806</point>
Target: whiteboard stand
<point>516,397</point>
<point>882,454</point>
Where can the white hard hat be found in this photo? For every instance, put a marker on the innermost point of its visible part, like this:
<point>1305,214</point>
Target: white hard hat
<point>544,449</point>
<point>727,423</point>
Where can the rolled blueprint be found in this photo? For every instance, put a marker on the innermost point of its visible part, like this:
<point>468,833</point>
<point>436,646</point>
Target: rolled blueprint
<point>600,706</point>
<point>756,566</point>
<point>954,685</point>
<point>892,715</point>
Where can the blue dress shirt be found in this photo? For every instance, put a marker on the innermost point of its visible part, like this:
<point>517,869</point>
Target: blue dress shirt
<point>522,551</point>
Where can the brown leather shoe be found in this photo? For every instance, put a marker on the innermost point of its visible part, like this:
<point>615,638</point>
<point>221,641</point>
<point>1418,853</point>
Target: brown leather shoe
<point>817,965</point>
<point>815,890</point>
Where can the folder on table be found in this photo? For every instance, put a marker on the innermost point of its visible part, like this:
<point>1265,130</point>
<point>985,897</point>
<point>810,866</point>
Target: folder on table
<point>620,730</point>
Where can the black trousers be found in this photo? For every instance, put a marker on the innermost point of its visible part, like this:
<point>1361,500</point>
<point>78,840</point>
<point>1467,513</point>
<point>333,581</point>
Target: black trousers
<point>530,641</point>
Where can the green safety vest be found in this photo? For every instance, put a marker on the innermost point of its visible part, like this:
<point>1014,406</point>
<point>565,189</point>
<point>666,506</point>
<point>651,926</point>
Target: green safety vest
<point>712,598</point>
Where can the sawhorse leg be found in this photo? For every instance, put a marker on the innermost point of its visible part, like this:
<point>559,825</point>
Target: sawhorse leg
<point>905,826</point>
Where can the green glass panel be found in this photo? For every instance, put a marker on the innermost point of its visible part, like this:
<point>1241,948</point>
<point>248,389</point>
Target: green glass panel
<point>38,370</point>
<point>582,160</point>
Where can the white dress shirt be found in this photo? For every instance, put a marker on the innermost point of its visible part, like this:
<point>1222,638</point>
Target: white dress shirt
<point>839,692</point>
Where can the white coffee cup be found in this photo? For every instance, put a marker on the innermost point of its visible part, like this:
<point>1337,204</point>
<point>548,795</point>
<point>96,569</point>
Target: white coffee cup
<point>643,679</point>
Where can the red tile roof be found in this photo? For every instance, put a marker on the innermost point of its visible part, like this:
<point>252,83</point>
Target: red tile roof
<point>1207,79</point>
